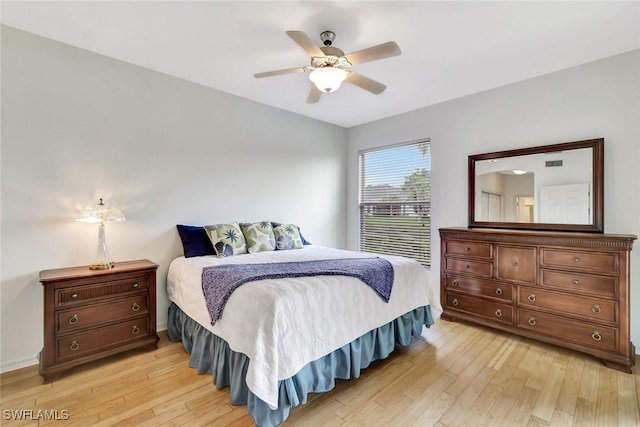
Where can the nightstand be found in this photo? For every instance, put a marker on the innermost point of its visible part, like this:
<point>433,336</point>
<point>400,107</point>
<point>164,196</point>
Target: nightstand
<point>91,314</point>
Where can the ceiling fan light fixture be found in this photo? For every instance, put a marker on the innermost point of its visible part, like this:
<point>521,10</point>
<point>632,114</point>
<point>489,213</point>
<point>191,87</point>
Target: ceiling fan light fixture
<point>328,79</point>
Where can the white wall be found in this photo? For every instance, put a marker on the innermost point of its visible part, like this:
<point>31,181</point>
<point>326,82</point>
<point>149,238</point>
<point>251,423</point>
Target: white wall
<point>77,126</point>
<point>599,99</point>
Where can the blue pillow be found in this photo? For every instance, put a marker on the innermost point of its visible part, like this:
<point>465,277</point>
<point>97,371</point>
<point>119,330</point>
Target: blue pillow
<point>195,241</point>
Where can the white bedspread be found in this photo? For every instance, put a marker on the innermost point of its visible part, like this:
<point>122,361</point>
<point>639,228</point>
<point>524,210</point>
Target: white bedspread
<point>283,324</point>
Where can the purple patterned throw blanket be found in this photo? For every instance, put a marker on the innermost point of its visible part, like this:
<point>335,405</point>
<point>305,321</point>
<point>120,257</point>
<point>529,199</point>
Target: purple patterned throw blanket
<point>219,281</point>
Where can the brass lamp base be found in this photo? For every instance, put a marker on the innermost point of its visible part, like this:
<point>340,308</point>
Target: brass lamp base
<point>101,266</point>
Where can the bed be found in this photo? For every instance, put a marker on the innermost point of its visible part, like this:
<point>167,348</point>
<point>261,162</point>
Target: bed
<point>279,339</point>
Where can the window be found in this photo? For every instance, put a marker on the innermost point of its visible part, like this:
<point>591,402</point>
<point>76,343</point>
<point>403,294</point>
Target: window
<point>395,201</point>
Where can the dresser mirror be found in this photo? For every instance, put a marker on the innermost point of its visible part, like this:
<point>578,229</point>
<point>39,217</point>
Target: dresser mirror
<point>555,187</point>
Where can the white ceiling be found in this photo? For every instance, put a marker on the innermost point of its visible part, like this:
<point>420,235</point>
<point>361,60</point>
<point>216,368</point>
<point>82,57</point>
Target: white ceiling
<point>449,48</point>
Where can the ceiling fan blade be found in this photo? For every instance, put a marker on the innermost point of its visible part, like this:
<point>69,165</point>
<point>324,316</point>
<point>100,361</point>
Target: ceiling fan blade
<point>314,95</point>
<point>381,51</point>
<point>365,83</point>
<point>280,72</point>
<point>306,43</point>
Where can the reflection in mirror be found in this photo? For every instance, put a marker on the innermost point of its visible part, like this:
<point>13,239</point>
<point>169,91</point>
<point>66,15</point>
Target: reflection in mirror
<point>554,187</point>
<point>548,187</point>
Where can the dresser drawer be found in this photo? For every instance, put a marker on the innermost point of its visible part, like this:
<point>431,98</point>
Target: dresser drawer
<point>588,261</point>
<point>76,345</point>
<point>478,268</point>
<point>597,309</point>
<point>73,295</point>
<point>516,264</point>
<point>479,287</point>
<point>567,329</point>
<point>69,320</point>
<point>478,250</point>
<point>583,283</point>
<point>495,311</point>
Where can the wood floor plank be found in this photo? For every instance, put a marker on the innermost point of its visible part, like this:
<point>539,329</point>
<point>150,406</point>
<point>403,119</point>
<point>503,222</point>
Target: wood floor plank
<point>507,367</point>
<point>507,400</point>
<point>585,413</point>
<point>546,403</point>
<point>561,419</point>
<point>607,412</point>
<point>590,381</point>
<point>568,395</point>
<point>628,411</point>
<point>424,401</point>
<point>454,374</point>
<point>522,410</point>
<point>539,374</point>
<point>458,411</point>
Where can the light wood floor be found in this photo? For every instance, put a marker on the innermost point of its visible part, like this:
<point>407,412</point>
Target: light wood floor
<point>455,374</point>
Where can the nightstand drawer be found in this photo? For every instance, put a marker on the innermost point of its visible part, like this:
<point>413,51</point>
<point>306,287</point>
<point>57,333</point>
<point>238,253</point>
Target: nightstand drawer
<point>73,319</point>
<point>94,340</point>
<point>73,295</point>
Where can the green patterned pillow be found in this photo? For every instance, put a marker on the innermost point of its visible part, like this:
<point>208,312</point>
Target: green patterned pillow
<point>259,236</point>
<point>227,239</point>
<point>287,237</point>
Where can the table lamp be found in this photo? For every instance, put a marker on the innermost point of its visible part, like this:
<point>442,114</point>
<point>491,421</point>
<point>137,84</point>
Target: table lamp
<point>99,215</point>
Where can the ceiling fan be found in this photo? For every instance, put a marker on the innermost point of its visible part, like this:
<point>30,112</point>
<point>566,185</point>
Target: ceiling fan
<point>329,64</point>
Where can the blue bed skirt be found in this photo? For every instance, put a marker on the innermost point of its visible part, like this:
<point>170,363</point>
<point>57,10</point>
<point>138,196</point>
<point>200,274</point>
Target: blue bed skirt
<point>211,354</point>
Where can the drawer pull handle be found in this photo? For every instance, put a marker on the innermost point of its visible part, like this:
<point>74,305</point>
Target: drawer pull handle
<point>135,329</point>
<point>455,302</point>
<point>74,346</point>
<point>467,249</point>
<point>135,306</point>
<point>74,296</point>
<point>596,336</point>
<point>531,297</point>
<point>596,309</point>
<point>576,259</point>
<point>499,313</point>
<point>498,291</point>
<point>455,283</point>
<point>576,281</point>
<point>73,319</point>
<point>532,321</point>
<point>135,285</point>
<point>467,266</point>
<point>514,263</point>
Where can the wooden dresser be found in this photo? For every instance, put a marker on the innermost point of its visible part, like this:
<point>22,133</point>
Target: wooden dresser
<point>90,314</point>
<point>569,289</point>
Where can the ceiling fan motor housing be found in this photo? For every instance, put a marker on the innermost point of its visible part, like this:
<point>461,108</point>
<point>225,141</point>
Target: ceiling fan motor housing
<point>327,37</point>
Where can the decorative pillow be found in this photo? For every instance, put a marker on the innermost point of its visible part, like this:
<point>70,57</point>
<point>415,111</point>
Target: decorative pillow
<point>304,241</point>
<point>287,236</point>
<point>195,241</point>
<point>259,236</point>
<point>227,239</point>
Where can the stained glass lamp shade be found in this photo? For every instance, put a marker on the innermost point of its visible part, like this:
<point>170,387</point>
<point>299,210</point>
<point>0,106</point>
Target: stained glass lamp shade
<point>99,215</point>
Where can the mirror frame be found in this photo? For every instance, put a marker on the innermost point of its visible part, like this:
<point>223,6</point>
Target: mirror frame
<point>597,188</point>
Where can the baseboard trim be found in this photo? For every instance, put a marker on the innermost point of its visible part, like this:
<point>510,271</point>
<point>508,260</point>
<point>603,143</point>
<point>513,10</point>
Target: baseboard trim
<point>18,364</point>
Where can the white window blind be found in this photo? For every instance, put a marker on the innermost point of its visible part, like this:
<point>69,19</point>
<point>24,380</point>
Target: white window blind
<point>395,201</point>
